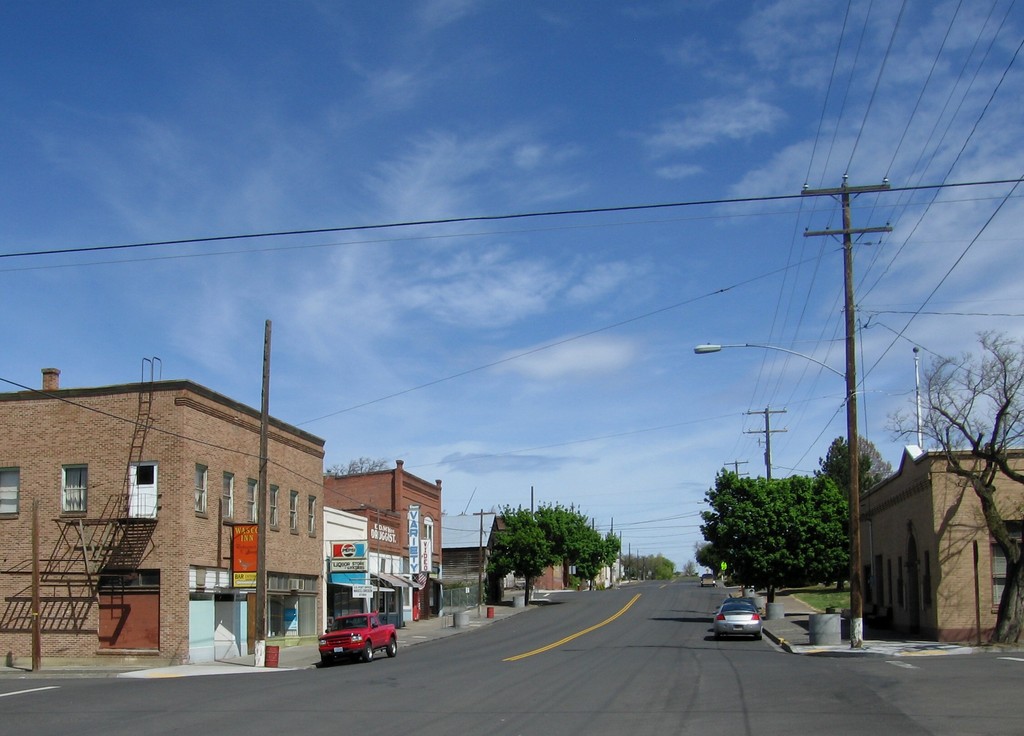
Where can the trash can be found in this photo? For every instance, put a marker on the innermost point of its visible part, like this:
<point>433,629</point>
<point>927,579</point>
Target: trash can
<point>490,611</point>
<point>776,611</point>
<point>461,619</point>
<point>825,629</point>
<point>273,656</point>
<point>519,600</point>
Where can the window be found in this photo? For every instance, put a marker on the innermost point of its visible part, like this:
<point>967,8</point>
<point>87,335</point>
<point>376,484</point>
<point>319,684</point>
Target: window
<point>10,484</point>
<point>311,514</point>
<point>899,582</point>
<point>293,511</point>
<point>927,579</point>
<point>999,563</point>
<point>201,477</point>
<point>227,498</point>
<point>74,488</point>
<point>252,501</point>
<point>274,519</point>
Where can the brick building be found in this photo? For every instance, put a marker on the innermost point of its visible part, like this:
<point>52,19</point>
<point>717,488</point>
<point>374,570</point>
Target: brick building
<point>147,493</point>
<point>390,499</point>
<point>919,532</point>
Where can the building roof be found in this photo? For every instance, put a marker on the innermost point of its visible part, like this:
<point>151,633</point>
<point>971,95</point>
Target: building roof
<point>462,531</point>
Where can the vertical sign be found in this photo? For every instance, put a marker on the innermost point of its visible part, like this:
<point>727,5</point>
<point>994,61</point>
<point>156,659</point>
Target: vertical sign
<point>414,538</point>
<point>426,558</point>
<point>244,553</point>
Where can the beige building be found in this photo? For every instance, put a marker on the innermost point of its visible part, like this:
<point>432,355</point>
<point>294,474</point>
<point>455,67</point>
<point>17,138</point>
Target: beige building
<point>147,496</point>
<point>931,568</point>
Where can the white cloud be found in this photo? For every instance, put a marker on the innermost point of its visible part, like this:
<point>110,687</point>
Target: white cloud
<point>716,120</point>
<point>591,356</point>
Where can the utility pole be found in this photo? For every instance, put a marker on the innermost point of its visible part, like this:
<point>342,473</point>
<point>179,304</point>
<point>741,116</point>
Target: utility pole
<point>260,647</point>
<point>768,431</point>
<point>480,565</point>
<point>852,440</point>
<point>37,644</point>
<point>736,464</point>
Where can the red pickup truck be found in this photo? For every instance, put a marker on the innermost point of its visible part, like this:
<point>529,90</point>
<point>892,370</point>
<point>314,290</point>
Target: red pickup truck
<point>357,635</point>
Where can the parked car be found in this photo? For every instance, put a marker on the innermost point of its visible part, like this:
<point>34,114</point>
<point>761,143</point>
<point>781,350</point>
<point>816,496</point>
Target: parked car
<point>737,617</point>
<point>707,579</point>
<point>357,636</point>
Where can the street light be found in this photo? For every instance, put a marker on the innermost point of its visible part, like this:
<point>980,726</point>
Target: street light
<point>856,592</point>
<point>711,348</point>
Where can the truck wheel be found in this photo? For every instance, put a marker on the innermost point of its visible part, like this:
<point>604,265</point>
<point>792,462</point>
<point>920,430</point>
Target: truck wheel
<point>368,652</point>
<point>392,649</point>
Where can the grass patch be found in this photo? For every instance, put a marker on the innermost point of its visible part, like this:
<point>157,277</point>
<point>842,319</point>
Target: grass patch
<point>820,597</point>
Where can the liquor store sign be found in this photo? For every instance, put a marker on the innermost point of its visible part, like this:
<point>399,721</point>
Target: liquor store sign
<point>348,556</point>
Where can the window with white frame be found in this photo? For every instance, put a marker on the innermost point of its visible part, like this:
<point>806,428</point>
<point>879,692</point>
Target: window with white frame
<point>74,488</point>
<point>202,474</point>
<point>252,502</point>
<point>10,490</point>
<point>999,563</point>
<point>311,514</point>
<point>273,519</point>
<point>227,497</point>
<point>293,511</point>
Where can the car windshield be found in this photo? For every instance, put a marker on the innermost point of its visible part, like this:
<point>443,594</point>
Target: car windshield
<point>355,622</point>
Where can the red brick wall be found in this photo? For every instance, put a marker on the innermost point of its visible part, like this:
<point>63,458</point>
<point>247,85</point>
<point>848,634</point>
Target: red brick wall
<point>190,425</point>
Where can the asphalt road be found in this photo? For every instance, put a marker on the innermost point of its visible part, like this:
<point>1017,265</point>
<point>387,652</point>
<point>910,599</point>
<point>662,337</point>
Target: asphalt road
<point>634,661</point>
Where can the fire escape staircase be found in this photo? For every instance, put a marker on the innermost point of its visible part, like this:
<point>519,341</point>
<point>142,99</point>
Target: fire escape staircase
<point>112,544</point>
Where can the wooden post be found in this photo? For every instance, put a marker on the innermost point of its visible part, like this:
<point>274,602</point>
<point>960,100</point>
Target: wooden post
<point>37,644</point>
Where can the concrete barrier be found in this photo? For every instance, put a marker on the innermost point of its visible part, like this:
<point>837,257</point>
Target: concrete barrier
<point>825,629</point>
<point>776,611</point>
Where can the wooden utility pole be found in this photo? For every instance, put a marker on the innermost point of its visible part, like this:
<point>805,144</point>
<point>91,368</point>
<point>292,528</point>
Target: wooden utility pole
<point>848,231</point>
<point>480,565</point>
<point>37,642</point>
<point>768,431</point>
<point>261,510</point>
<point>735,465</point>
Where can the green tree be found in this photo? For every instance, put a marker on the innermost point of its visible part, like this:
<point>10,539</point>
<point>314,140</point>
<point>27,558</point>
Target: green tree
<point>521,547</point>
<point>780,532</point>
<point>575,542</point>
<point>705,555</point>
<point>871,466</point>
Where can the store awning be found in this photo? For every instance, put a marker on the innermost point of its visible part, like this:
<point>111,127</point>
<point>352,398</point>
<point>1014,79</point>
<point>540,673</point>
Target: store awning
<point>394,580</point>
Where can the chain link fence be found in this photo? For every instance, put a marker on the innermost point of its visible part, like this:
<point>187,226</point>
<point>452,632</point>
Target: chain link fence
<point>459,596</point>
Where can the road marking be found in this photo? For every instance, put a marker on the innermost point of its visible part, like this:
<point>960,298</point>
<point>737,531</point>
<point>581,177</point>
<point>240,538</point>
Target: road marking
<point>904,665</point>
<point>33,690</point>
<point>1013,659</point>
<point>577,635</point>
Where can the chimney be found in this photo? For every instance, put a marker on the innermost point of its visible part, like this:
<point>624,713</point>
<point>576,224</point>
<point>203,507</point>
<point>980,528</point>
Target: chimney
<point>51,379</point>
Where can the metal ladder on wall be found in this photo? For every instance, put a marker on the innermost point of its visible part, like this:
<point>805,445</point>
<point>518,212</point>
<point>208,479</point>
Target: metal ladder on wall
<point>115,542</point>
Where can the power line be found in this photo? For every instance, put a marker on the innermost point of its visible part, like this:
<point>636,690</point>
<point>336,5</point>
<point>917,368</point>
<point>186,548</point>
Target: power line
<point>464,219</point>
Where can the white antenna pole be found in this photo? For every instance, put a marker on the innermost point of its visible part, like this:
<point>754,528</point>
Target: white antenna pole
<point>917,389</point>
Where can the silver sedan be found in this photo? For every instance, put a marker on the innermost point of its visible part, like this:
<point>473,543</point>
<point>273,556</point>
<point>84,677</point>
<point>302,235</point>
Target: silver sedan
<point>737,617</point>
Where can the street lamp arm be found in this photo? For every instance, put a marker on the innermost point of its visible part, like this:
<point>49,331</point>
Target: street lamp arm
<point>712,348</point>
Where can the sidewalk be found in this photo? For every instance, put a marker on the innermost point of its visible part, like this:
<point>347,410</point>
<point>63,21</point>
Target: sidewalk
<point>792,633</point>
<point>290,658</point>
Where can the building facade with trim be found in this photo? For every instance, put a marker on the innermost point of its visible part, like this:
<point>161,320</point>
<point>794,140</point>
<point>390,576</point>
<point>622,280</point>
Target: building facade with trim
<point>403,515</point>
<point>931,567</point>
<point>147,500</point>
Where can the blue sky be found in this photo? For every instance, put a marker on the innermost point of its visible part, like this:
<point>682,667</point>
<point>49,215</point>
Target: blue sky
<point>555,352</point>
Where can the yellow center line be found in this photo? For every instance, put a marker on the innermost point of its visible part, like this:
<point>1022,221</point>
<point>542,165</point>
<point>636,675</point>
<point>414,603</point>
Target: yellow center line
<point>577,635</point>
